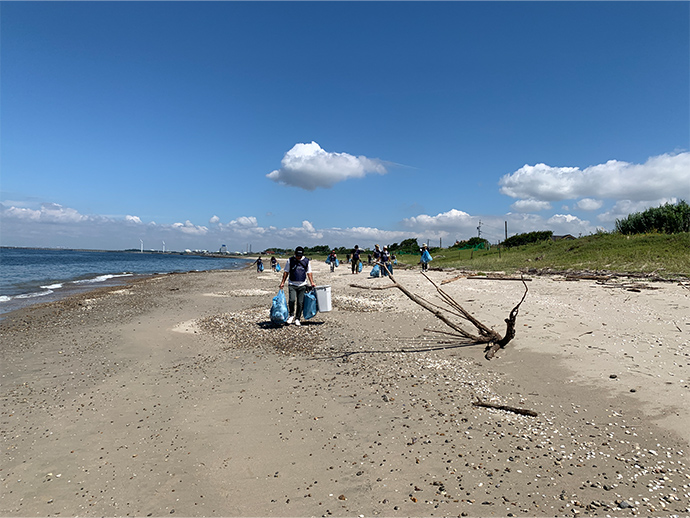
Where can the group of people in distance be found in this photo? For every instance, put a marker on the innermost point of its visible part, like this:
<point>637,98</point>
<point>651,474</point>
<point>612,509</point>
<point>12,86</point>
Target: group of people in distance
<point>298,273</point>
<point>381,257</point>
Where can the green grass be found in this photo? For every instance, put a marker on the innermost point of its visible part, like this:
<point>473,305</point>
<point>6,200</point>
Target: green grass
<point>666,255</point>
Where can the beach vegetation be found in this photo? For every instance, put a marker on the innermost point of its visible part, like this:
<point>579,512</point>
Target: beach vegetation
<point>666,219</point>
<point>666,255</point>
<point>527,238</point>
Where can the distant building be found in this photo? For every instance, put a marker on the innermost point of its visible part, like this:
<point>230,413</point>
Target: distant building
<point>223,249</point>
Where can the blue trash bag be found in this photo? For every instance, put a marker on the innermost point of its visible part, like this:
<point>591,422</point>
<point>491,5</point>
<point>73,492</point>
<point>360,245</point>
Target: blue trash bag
<point>328,260</point>
<point>337,263</point>
<point>375,271</point>
<point>310,305</point>
<point>359,267</point>
<point>277,267</point>
<point>261,267</point>
<point>426,257</point>
<point>279,309</point>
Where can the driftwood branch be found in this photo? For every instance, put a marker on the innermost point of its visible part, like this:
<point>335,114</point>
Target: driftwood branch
<point>490,278</point>
<point>484,335</point>
<point>521,411</point>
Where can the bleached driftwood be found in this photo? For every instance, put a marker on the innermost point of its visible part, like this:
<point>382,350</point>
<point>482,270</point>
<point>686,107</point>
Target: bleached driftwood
<point>483,335</point>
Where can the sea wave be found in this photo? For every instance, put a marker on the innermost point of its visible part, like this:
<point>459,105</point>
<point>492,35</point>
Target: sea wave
<point>32,295</point>
<point>56,286</point>
<point>101,278</point>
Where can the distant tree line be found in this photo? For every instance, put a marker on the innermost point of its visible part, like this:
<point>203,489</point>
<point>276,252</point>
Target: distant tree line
<point>473,242</point>
<point>528,238</point>
<point>665,219</point>
<point>409,246</point>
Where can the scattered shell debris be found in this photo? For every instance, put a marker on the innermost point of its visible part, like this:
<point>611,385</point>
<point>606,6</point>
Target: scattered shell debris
<point>240,293</point>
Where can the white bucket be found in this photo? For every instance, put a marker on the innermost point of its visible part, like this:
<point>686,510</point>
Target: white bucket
<point>323,298</point>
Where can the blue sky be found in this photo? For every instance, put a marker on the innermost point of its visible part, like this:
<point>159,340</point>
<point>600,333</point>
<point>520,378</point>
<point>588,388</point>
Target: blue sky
<point>269,124</point>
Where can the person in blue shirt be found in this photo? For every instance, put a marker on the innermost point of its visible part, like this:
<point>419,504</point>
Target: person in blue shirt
<point>425,264</point>
<point>298,271</point>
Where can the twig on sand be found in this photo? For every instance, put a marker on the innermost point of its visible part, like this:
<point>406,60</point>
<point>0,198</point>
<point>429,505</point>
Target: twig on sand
<point>521,411</point>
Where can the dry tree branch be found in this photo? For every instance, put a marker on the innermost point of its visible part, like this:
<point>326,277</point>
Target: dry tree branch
<point>492,339</point>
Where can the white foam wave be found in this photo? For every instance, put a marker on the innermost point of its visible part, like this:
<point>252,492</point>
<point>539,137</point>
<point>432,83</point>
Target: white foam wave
<point>32,295</point>
<point>5,298</point>
<point>102,278</point>
<point>55,286</point>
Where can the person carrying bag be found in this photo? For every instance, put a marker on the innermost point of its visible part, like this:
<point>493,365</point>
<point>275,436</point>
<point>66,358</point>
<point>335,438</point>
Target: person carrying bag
<point>298,270</point>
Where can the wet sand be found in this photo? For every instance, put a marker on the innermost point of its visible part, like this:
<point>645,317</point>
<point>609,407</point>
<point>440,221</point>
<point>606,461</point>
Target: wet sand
<point>175,395</point>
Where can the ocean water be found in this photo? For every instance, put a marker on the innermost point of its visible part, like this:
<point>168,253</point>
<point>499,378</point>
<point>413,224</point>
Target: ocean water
<point>32,276</point>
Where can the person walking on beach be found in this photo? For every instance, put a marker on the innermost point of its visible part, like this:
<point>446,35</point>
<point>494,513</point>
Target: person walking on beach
<point>298,270</point>
<point>386,267</point>
<point>332,259</point>
<point>377,254</point>
<point>425,264</point>
<point>259,265</point>
<point>355,259</point>
<point>274,262</point>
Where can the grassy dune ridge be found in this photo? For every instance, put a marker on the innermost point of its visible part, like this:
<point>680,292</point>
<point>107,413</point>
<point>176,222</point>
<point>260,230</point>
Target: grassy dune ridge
<point>661,254</point>
<point>665,255</point>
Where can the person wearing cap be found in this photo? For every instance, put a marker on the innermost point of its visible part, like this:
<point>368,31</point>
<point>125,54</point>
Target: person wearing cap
<point>425,265</point>
<point>377,253</point>
<point>298,270</point>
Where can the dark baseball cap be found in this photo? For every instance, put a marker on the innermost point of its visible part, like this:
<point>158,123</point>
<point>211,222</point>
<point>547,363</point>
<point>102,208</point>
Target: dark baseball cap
<point>299,250</point>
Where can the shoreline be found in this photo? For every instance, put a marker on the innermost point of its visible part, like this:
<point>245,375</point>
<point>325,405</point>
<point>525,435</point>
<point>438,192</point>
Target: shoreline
<point>174,394</point>
<point>33,291</point>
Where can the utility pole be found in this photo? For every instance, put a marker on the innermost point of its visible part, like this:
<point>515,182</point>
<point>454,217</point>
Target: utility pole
<point>506,230</point>
<point>479,229</point>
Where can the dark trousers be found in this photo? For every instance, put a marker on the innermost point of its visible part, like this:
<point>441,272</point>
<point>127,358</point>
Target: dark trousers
<point>296,295</point>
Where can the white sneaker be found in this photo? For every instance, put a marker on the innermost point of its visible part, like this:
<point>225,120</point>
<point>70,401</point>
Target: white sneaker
<point>290,320</point>
<point>298,323</point>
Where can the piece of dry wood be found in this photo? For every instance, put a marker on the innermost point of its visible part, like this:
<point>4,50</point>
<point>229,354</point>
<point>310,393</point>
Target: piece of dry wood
<point>488,278</point>
<point>521,411</point>
<point>487,336</point>
<point>453,279</point>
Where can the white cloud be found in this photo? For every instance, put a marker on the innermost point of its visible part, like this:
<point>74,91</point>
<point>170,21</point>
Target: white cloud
<point>308,166</point>
<point>133,219</point>
<point>624,208</point>
<point>660,177</point>
<point>308,227</point>
<point>562,224</point>
<point>448,221</point>
<point>589,204</point>
<point>530,205</point>
<point>214,219</point>
<point>48,213</point>
<point>243,222</point>
<point>189,228</point>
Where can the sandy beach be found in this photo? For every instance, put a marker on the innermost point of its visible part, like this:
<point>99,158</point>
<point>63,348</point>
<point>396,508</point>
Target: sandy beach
<point>175,395</point>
